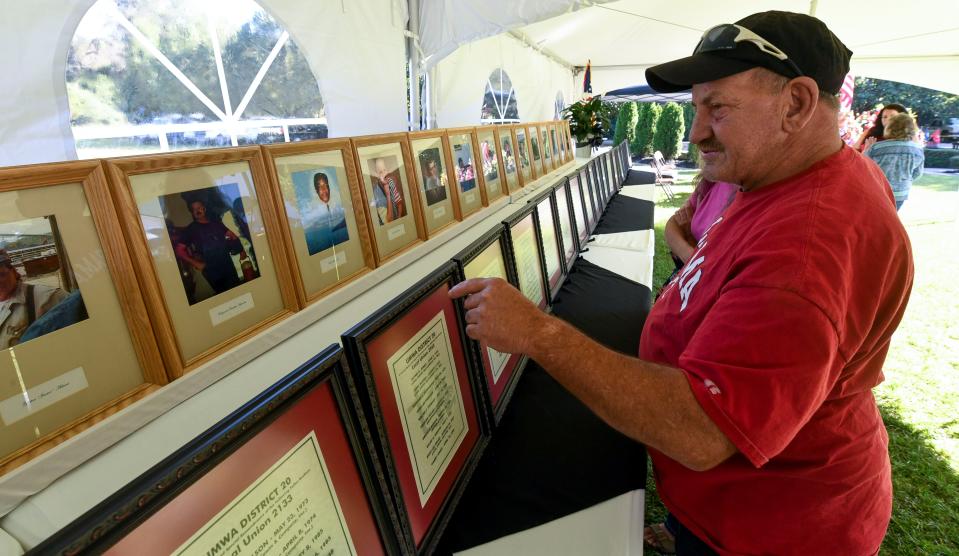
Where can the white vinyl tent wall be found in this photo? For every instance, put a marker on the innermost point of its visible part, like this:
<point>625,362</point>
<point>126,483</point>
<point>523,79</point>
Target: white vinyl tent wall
<point>461,78</point>
<point>356,50</point>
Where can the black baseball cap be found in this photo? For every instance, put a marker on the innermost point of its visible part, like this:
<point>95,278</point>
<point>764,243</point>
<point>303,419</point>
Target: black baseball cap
<point>790,44</point>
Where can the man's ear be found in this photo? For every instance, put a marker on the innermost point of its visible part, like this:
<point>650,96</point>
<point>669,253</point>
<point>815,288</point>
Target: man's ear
<point>801,97</point>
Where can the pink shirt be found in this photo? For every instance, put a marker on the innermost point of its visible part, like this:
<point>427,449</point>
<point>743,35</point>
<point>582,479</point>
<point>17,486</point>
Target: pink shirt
<point>708,204</point>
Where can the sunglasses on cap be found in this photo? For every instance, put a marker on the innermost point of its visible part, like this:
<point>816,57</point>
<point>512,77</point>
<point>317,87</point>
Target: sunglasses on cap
<point>728,36</point>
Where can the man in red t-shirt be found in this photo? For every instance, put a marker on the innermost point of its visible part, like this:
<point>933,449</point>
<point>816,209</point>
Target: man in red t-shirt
<point>753,387</point>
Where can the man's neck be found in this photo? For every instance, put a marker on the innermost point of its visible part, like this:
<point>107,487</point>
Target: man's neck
<point>811,145</point>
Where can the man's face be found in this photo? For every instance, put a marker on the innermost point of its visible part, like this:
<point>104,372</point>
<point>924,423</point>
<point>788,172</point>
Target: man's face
<point>8,281</point>
<point>737,127</point>
<point>323,190</point>
<point>380,167</point>
<point>198,210</point>
<point>431,168</point>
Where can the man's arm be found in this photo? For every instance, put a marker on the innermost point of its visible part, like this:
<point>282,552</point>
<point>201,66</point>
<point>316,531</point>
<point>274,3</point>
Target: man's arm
<point>650,403</point>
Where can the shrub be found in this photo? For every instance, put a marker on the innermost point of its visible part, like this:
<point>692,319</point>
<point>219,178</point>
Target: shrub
<point>954,162</point>
<point>649,114</point>
<point>692,155</point>
<point>688,114</point>
<point>668,138</point>
<point>626,123</point>
<point>938,158</point>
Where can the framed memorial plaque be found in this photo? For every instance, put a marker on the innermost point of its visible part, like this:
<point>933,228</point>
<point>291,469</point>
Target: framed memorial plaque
<point>527,171</point>
<point>318,193</point>
<point>432,168</point>
<point>566,222</point>
<point>548,162</point>
<point>508,159</point>
<point>536,150</point>
<point>464,149</point>
<point>493,173</point>
<point>610,177</point>
<point>208,248</point>
<point>290,472</point>
<point>579,208</point>
<point>385,167</point>
<point>527,255</point>
<point>488,257</point>
<point>412,364</point>
<point>597,187</point>
<point>589,196</point>
<point>77,343</point>
<point>550,241</point>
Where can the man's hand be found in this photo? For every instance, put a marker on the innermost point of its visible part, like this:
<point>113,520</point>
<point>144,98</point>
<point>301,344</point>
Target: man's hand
<point>499,314</point>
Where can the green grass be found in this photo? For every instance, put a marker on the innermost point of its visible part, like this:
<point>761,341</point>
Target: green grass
<point>919,399</point>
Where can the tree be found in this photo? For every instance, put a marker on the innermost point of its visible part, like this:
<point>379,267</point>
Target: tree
<point>668,138</point>
<point>649,113</point>
<point>626,123</point>
<point>928,105</point>
<point>689,112</point>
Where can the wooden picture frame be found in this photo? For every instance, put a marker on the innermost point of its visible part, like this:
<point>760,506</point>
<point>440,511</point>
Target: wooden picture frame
<point>559,149</point>
<point>464,150</point>
<point>391,352</point>
<point>507,153</point>
<point>328,241</point>
<point>395,225</point>
<point>88,349</point>
<point>501,371</point>
<point>305,427</point>
<point>526,254</point>
<point>549,162</point>
<point>527,170</point>
<point>201,304</point>
<point>536,150</point>
<point>550,240</point>
<point>439,196</point>
<point>491,163</point>
<point>566,222</point>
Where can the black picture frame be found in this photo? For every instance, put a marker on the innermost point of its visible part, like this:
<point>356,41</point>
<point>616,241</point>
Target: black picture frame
<point>568,207</point>
<point>109,521</point>
<point>594,196</point>
<point>499,233</point>
<point>549,198</point>
<point>517,217</point>
<point>355,342</point>
<point>580,196</point>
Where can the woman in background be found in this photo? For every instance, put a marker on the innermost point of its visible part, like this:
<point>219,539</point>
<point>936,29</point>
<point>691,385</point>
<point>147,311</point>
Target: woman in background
<point>899,156</point>
<point>875,133</point>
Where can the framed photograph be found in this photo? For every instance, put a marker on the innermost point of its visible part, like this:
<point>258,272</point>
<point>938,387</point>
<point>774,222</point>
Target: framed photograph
<point>385,167</point>
<point>508,157</point>
<point>590,197</point>
<point>290,472</point>
<point>432,168</point>
<point>527,172</point>
<point>549,239</point>
<point>576,192</point>
<point>568,138</point>
<point>598,189</point>
<point>208,248</point>
<point>566,222</point>
<point>318,196</point>
<point>527,255</point>
<point>469,181</point>
<point>77,341</point>
<point>493,173</point>
<point>610,176</point>
<point>548,162</point>
<point>412,364</point>
<point>537,151</point>
<point>559,150</point>
<point>488,257</point>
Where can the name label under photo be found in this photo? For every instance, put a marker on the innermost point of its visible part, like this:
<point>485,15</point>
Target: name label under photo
<point>396,231</point>
<point>42,395</point>
<point>226,311</point>
<point>439,212</point>
<point>333,261</point>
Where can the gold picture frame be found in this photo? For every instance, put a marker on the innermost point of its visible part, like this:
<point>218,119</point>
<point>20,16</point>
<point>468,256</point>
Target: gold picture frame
<point>491,163</point>
<point>536,150</point>
<point>507,153</point>
<point>528,169</point>
<point>207,246</point>
<point>87,349</point>
<point>327,240</point>
<point>395,223</point>
<point>549,161</point>
<point>433,167</point>
<point>470,186</point>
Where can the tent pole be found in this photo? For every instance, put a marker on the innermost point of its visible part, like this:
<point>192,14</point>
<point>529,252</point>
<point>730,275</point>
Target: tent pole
<point>813,6</point>
<point>414,52</point>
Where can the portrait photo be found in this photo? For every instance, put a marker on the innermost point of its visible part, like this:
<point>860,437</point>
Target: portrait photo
<point>38,288</point>
<point>434,175</point>
<point>509,160</point>
<point>534,146</point>
<point>523,151</point>
<point>320,202</point>
<point>488,156</point>
<point>463,164</point>
<point>210,235</point>
<point>388,202</point>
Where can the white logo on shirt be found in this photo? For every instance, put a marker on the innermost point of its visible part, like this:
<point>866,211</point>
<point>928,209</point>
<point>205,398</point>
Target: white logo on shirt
<point>688,278</point>
<point>711,386</point>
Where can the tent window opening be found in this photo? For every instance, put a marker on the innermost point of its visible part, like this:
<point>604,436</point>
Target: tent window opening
<point>499,100</point>
<point>558,105</point>
<point>147,76</point>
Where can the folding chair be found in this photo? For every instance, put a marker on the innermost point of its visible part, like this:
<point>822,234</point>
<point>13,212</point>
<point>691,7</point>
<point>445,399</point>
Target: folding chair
<point>665,176</point>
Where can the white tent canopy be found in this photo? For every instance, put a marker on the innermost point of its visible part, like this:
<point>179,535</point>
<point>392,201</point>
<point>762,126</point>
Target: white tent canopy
<point>916,43</point>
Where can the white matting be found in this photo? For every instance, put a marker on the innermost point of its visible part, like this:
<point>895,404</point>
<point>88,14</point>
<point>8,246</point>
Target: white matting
<point>644,192</point>
<point>641,240</point>
<point>613,527</point>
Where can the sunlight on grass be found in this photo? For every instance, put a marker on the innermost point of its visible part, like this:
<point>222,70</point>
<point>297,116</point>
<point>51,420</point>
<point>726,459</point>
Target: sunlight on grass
<point>919,399</point>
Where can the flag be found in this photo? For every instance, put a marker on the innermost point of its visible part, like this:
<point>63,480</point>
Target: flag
<point>845,94</point>
<point>587,78</point>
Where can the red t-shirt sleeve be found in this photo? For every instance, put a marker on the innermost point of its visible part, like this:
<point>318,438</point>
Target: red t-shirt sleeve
<point>760,364</point>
